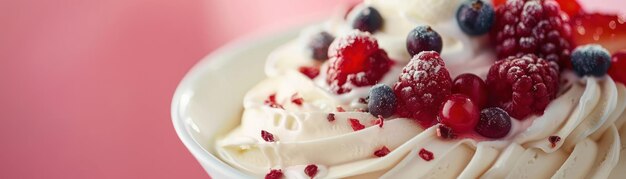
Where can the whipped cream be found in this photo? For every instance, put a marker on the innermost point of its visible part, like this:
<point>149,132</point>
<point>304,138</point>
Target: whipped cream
<point>588,117</point>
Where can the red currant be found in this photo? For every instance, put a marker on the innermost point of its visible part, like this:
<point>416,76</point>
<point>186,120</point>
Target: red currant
<point>459,113</point>
<point>471,86</point>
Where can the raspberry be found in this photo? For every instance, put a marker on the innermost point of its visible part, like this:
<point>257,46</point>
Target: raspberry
<point>356,60</point>
<point>533,26</point>
<point>522,85</point>
<point>422,87</point>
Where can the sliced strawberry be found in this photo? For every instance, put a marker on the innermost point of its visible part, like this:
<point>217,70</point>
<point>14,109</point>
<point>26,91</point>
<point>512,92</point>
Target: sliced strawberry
<point>606,30</point>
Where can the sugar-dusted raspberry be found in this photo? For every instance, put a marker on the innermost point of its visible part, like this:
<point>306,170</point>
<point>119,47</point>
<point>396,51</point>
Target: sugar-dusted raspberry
<point>522,85</point>
<point>423,85</point>
<point>356,60</point>
<point>533,27</point>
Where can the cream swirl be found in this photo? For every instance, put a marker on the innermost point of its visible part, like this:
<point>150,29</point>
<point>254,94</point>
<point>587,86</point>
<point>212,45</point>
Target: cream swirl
<point>587,117</point>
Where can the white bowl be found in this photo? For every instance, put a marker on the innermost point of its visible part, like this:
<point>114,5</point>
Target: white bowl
<point>208,101</point>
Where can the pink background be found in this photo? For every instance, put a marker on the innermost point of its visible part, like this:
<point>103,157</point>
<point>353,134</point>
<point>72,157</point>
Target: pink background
<point>86,85</point>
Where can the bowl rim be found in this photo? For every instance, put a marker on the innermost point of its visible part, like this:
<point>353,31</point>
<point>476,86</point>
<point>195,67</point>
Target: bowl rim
<point>236,46</point>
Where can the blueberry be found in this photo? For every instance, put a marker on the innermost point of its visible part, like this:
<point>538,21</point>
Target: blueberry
<point>475,17</point>
<point>591,60</point>
<point>319,45</point>
<point>423,38</point>
<point>382,101</point>
<point>368,20</point>
<point>493,123</point>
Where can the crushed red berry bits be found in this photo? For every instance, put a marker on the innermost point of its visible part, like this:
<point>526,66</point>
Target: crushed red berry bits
<point>382,152</point>
<point>380,121</point>
<point>274,174</point>
<point>330,117</point>
<point>445,132</point>
<point>426,155</point>
<point>554,140</point>
<point>271,102</point>
<point>310,72</point>
<point>267,136</point>
<point>311,170</point>
<point>356,124</point>
<point>340,109</point>
<point>296,99</point>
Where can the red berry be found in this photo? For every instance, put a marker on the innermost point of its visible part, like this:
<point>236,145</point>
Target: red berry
<point>426,155</point>
<point>422,87</point>
<point>382,152</point>
<point>459,113</point>
<point>522,85</point>
<point>274,174</point>
<point>356,60</point>
<point>471,86</point>
<point>310,170</point>
<point>618,67</point>
<point>571,7</point>
<point>535,27</point>
<point>605,29</point>
<point>494,123</point>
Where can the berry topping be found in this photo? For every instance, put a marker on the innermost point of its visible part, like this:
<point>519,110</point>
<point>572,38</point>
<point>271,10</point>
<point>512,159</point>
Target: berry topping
<point>340,109</point>
<point>426,155</point>
<point>471,86</point>
<point>268,137</point>
<point>382,101</point>
<point>310,72</point>
<point>319,45</point>
<point>459,113</point>
<point>355,124</point>
<point>382,152</point>
<point>330,117</point>
<point>445,132</point>
<point>475,17</point>
<point>571,7</point>
<point>494,123</point>
<point>422,87</point>
<point>368,20</point>
<point>618,66</point>
<point>532,26</point>
<point>606,30</point>
<point>554,140</point>
<point>423,38</point>
<point>274,174</point>
<point>356,60</point>
<point>271,102</point>
<point>363,100</point>
<point>522,85</point>
<point>310,170</point>
<point>591,60</point>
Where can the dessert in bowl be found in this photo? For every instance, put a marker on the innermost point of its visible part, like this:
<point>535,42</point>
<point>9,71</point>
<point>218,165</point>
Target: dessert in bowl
<point>429,89</point>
